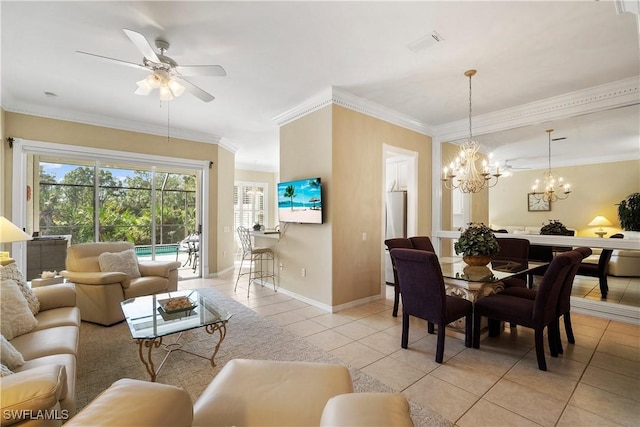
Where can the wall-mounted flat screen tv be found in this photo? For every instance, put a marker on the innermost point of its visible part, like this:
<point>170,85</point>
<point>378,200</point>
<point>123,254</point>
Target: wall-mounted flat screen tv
<point>300,201</point>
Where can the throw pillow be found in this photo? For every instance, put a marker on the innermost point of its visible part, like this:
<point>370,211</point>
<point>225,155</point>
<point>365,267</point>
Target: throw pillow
<point>9,356</point>
<point>4,371</point>
<point>17,318</point>
<point>125,262</point>
<point>11,271</point>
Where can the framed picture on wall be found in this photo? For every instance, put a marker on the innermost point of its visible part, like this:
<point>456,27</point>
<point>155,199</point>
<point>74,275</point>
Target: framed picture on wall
<point>536,203</point>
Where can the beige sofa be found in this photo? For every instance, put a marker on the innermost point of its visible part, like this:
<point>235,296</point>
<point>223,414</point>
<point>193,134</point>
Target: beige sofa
<point>44,387</point>
<point>101,292</point>
<point>626,263</point>
<point>250,393</point>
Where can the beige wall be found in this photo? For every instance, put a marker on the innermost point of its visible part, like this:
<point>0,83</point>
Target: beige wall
<point>70,133</point>
<point>597,189</point>
<point>271,179</point>
<point>305,152</point>
<point>344,148</point>
<point>222,202</point>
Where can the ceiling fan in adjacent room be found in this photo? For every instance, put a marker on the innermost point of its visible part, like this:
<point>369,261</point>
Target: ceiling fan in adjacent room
<point>165,73</point>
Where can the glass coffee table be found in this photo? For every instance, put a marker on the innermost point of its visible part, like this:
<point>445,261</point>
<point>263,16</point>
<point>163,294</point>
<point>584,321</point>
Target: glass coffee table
<point>151,318</point>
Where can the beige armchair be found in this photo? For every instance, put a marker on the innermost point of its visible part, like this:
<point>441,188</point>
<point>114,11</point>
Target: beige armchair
<point>99,293</point>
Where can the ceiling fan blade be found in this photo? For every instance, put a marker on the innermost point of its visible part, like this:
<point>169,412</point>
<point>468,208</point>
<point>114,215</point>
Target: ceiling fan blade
<point>196,91</point>
<point>201,70</point>
<point>113,61</point>
<point>142,44</point>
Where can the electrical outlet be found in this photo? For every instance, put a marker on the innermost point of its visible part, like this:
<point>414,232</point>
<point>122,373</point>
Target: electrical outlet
<point>224,254</point>
<point>364,237</point>
<point>281,266</point>
<point>304,272</point>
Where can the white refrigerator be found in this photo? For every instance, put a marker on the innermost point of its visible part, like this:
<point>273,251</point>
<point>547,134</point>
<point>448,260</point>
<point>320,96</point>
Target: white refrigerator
<point>396,224</point>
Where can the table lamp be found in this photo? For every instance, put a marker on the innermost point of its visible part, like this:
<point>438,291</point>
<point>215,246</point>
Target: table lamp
<point>600,221</point>
<point>9,232</point>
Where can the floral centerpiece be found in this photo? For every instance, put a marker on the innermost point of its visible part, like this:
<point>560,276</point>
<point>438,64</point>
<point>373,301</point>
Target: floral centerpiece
<point>477,244</point>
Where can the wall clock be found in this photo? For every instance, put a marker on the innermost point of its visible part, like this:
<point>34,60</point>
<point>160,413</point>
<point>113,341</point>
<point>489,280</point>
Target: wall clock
<point>536,204</point>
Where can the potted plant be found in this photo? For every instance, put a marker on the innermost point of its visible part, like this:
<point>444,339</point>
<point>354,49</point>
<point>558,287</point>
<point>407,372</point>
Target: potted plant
<point>257,226</point>
<point>477,244</point>
<point>629,212</point>
<point>555,227</point>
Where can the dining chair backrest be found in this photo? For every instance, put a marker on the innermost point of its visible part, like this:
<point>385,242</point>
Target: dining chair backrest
<point>605,255</point>
<point>564,300</point>
<point>245,239</point>
<point>422,243</point>
<point>398,242</point>
<point>422,283</point>
<point>513,248</point>
<point>545,306</point>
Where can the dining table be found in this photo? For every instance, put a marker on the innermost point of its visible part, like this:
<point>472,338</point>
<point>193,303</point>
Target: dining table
<point>475,282</point>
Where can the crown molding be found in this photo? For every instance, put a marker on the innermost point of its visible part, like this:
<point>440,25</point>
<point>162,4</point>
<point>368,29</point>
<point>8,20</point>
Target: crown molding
<point>616,94</point>
<point>120,124</point>
<point>353,102</point>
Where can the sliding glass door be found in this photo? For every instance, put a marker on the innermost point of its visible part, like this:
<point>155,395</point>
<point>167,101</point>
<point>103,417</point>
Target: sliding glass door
<point>154,207</point>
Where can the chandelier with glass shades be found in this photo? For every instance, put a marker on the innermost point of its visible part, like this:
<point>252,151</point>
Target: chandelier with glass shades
<point>551,183</point>
<point>168,86</point>
<point>466,173</point>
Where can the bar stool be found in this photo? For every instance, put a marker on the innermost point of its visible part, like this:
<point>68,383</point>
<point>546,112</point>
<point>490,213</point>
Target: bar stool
<point>257,258</point>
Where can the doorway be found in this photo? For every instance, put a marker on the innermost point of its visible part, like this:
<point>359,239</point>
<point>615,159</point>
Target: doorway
<point>400,217</point>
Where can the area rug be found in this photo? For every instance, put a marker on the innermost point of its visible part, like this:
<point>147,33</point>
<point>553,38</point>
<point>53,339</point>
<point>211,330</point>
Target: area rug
<point>107,354</point>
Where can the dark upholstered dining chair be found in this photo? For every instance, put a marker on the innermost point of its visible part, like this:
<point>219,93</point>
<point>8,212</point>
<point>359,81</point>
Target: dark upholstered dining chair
<point>536,314</point>
<point>564,299</point>
<point>422,243</point>
<point>400,243</point>
<point>423,296</point>
<point>513,249</point>
<point>601,269</point>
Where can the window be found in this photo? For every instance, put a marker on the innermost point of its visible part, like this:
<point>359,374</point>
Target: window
<point>70,193</point>
<point>249,205</point>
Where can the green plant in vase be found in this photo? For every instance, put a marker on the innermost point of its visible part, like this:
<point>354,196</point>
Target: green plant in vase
<point>555,227</point>
<point>477,244</point>
<point>629,212</point>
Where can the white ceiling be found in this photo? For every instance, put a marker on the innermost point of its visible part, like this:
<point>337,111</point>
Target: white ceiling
<point>279,54</point>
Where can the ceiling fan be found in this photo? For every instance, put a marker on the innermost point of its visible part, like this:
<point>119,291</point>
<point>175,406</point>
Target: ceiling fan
<point>166,75</point>
<point>508,167</point>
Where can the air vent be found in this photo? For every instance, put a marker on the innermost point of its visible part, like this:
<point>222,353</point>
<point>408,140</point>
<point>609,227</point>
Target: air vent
<point>426,42</point>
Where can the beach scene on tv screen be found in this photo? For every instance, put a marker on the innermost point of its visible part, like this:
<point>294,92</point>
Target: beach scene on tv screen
<point>300,201</point>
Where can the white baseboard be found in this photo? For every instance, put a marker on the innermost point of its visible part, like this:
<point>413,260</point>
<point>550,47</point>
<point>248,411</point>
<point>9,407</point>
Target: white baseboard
<point>606,310</point>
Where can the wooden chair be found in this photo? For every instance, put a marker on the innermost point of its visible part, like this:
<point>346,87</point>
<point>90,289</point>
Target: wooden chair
<point>397,243</point>
<point>564,300</point>
<point>601,269</point>
<point>423,296</point>
<point>513,249</point>
<point>536,314</point>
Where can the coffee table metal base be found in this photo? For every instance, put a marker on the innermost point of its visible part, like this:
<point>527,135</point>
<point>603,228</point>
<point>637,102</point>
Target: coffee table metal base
<point>151,343</point>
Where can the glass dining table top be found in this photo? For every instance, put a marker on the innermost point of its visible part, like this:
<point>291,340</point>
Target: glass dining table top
<point>495,271</point>
<point>153,316</point>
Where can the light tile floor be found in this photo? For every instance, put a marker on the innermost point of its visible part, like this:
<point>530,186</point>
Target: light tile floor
<point>595,383</point>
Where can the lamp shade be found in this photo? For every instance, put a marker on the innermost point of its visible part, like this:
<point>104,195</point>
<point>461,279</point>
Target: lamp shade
<point>600,221</point>
<point>9,232</point>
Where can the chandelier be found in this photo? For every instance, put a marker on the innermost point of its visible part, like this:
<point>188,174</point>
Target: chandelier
<point>464,173</point>
<point>551,183</point>
<point>168,86</point>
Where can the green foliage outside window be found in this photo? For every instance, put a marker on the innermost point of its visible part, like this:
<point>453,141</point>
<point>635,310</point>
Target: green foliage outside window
<point>124,205</point>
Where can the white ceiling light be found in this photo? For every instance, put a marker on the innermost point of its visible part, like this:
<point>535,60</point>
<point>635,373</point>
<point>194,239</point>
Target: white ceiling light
<point>466,173</point>
<point>551,183</point>
<point>168,86</point>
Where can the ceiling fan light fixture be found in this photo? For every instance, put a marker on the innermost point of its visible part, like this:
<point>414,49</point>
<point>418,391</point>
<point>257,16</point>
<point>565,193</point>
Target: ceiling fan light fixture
<point>165,93</point>
<point>176,88</point>
<point>143,88</point>
<point>154,80</point>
